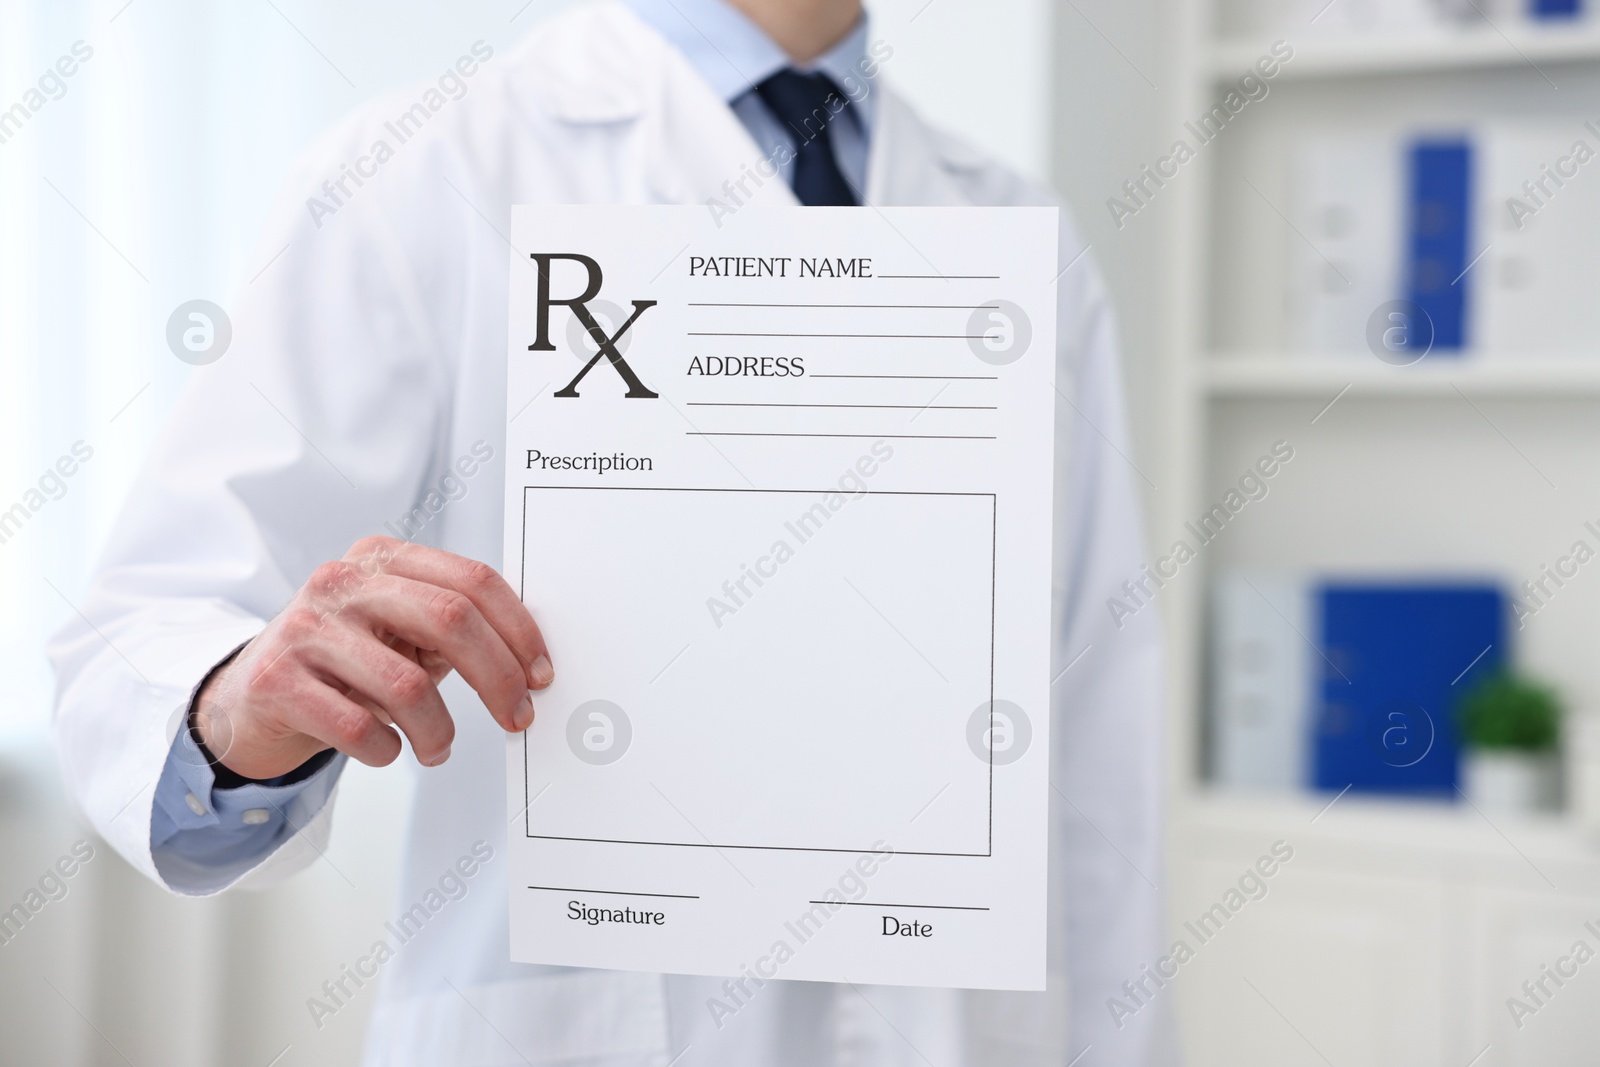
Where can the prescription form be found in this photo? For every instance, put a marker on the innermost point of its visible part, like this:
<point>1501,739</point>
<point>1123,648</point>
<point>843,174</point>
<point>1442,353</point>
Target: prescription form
<point>778,491</point>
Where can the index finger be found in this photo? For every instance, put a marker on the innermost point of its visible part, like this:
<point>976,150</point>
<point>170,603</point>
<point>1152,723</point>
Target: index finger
<point>480,583</point>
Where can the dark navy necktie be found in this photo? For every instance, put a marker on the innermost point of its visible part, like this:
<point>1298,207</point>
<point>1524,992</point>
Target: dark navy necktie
<point>802,103</point>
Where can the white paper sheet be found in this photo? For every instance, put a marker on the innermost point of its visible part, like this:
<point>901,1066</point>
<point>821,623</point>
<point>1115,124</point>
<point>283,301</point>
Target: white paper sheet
<point>792,555</point>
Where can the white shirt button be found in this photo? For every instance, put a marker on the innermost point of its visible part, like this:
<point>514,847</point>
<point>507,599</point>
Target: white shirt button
<point>194,803</point>
<point>256,816</point>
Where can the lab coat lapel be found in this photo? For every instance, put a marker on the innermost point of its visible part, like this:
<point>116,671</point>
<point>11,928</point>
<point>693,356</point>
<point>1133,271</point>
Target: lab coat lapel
<point>909,164</point>
<point>698,152</point>
<point>691,148</point>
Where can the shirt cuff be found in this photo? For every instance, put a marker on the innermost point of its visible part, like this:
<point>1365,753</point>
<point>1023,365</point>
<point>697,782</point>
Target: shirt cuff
<point>204,836</point>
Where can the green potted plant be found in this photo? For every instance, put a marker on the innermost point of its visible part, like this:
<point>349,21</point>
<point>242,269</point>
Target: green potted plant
<point>1511,730</point>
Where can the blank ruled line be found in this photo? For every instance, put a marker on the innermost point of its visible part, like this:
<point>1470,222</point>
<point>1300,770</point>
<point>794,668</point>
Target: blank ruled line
<point>876,407</point>
<point>919,377</point>
<point>615,892</point>
<point>927,307</point>
<point>875,904</point>
<point>884,336</point>
<point>946,277</point>
<point>870,436</point>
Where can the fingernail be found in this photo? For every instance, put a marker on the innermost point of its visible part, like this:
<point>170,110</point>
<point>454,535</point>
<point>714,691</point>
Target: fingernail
<point>524,716</point>
<point>543,673</point>
<point>440,758</point>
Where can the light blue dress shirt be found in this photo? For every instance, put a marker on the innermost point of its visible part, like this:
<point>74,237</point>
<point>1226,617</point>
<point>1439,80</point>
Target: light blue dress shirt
<point>734,56</point>
<point>212,835</point>
<point>200,827</point>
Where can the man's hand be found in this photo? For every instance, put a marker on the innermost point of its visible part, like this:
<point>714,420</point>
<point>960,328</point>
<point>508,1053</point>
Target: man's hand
<point>361,649</point>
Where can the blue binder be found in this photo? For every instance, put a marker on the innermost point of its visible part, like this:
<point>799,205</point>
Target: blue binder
<point>1397,659</point>
<point>1555,9</point>
<point>1438,229</point>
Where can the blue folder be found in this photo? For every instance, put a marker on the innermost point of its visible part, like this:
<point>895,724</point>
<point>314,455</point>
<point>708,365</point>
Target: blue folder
<point>1395,660</point>
<point>1555,9</point>
<point>1438,225</point>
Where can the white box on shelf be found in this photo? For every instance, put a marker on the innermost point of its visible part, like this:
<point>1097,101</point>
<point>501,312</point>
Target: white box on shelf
<point>1538,214</point>
<point>1347,205</point>
<point>1322,18</point>
<point>1418,18</point>
<point>1261,701</point>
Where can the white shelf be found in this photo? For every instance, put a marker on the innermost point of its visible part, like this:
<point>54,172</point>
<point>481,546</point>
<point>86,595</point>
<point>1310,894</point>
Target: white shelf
<point>1479,48</point>
<point>1305,375</point>
<point>1385,824</point>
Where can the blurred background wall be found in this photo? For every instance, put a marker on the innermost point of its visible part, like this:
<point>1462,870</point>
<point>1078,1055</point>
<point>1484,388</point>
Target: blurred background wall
<point>1422,871</point>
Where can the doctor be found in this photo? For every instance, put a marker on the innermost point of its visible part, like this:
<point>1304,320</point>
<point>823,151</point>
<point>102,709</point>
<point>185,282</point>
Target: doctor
<point>247,632</point>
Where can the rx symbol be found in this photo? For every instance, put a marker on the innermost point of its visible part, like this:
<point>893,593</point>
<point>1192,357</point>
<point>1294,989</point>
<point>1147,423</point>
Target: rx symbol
<point>579,306</point>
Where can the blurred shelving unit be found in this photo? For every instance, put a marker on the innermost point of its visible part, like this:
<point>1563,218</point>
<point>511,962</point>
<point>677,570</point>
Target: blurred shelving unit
<point>1400,929</point>
<point>1557,377</point>
<point>1479,48</point>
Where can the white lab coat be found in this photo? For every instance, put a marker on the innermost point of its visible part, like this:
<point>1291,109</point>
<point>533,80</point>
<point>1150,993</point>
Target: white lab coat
<point>370,356</point>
